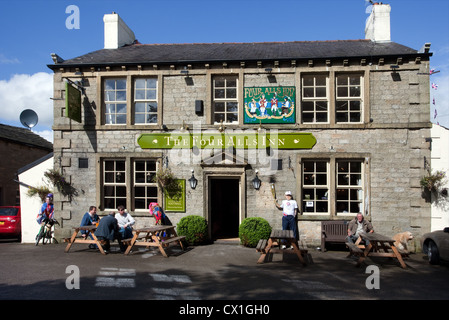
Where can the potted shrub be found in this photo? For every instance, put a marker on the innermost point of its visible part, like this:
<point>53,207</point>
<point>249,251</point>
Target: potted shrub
<point>194,228</point>
<point>253,229</point>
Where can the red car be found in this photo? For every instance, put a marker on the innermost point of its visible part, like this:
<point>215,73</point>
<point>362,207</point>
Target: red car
<point>10,222</point>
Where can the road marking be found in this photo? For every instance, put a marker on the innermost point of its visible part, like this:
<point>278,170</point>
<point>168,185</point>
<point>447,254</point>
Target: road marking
<point>116,277</point>
<point>173,293</point>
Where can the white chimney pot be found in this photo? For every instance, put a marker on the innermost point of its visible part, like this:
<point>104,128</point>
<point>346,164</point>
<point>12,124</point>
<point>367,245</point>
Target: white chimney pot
<point>378,23</point>
<point>116,32</point>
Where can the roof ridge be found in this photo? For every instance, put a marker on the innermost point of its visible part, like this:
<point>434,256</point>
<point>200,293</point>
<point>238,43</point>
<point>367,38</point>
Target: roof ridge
<point>262,42</point>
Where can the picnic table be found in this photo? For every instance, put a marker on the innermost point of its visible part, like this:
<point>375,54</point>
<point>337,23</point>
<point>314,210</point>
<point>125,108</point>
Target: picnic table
<point>79,239</point>
<point>154,237</point>
<point>379,246</point>
<point>277,239</point>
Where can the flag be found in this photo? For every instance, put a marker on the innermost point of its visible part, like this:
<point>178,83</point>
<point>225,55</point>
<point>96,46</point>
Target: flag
<point>435,115</point>
<point>434,86</point>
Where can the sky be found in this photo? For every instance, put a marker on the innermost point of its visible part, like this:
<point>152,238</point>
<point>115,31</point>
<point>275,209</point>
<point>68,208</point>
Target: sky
<point>31,30</point>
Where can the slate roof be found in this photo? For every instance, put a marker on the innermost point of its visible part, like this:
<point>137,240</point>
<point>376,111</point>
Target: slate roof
<point>210,52</point>
<point>24,136</point>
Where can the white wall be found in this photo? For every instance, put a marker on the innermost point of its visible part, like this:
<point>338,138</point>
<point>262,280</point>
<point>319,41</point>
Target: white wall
<point>440,161</point>
<point>30,205</point>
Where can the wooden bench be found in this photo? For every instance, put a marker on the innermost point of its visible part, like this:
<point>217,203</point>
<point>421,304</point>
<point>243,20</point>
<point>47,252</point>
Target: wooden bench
<point>333,231</point>
<point>262,245</point>
<point>354,249</point>
<point>167,241</point>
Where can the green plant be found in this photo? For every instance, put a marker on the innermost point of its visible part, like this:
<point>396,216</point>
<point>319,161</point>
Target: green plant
<point>433,181</point>
<point>253,229</point>
<point>41,192</point>
<point>168,182</point>
<point>58,180</point>
<point>194,228</point>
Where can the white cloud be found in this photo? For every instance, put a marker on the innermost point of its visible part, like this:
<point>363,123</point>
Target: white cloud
<point>24,91</point>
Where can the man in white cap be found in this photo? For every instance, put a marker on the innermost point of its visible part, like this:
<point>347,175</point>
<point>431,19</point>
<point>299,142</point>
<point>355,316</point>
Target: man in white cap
<point>289,209</point>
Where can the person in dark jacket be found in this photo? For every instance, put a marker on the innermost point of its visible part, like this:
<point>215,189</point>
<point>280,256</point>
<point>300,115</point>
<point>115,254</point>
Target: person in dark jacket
<point>108,231</point>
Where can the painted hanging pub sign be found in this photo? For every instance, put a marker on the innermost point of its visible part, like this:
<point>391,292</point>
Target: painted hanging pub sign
<point>269,105</point>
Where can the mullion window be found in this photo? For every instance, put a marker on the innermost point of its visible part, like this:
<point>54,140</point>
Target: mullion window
<point>315,102</point>
<point>226,105</point>
<point>145,189</point>
<point>349,98</point>
<point>115,101</point>
<point>350,192</point>
<point>145,101</point>
<point>315,177</point>
<point>114,184</point>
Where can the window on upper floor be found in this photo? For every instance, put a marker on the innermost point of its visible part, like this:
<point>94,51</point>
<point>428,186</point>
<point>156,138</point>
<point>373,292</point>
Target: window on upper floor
<point>225,99</point>
<point>349,93</point>
<point>315,99</point>
<point>144,104</point>
<point>335,101</point>
<point>115,101</point>
<point>145,101</point>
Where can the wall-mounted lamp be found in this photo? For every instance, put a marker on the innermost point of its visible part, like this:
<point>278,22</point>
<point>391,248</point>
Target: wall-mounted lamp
<point>193,181</point>
<point>256,181</point>
<point>221,128</point>
<point>395,75</point>
<point>184,126</point>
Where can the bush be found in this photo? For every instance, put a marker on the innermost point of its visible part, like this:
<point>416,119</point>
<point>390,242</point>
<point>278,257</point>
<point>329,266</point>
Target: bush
<point>252,230</point>
<point>194,228</point>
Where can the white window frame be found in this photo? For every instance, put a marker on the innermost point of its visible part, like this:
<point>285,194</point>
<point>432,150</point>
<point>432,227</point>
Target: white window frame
<point>225,100</point>
<point>114,183</point>
<point>349,99</point>
<point>358,187</point>
<point>315,99</point>
<point>110,118</point>
<point>309,200</point>
<point>148,183</point>
<point>146,100</point>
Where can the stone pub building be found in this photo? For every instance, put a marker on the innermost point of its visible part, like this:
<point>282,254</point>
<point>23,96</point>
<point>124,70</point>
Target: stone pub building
<point>341,124</point>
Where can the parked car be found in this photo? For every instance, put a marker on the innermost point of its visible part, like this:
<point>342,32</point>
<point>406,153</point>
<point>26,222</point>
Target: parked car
<point>10,222</point>
<point>436,245</point>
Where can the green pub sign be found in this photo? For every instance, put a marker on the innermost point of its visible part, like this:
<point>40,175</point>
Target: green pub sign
<point>72,103</point>
<point>176,202</point>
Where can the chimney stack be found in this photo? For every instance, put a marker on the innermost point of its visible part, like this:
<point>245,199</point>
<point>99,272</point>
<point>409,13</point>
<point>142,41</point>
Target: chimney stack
<point>378,23</point>
<point>116,32</point>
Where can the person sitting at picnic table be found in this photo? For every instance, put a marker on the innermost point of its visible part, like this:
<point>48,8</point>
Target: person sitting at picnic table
<point>90,218</point>
<point>125,222</point>
<point>159,215</point>
<point>108,231</point>
<point>357,226</point>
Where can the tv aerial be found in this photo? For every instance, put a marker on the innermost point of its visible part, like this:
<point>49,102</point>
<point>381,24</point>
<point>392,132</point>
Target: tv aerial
<point>28,118</point>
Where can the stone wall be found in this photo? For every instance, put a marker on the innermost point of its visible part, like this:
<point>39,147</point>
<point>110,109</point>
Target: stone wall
<point>391,143</point>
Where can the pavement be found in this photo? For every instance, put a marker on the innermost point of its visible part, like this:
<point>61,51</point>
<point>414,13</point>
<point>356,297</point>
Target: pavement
<point>220,271</point>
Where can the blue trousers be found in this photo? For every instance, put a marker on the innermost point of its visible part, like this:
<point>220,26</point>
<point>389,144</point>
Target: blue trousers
<point>289,223</point>
<point>126,232</point>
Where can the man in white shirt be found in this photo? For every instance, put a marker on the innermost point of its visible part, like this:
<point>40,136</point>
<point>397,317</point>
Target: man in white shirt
<point>125,222</point>
<point>289,209</point>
